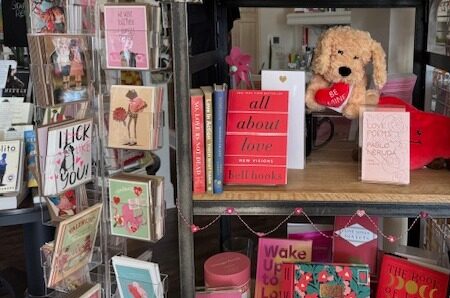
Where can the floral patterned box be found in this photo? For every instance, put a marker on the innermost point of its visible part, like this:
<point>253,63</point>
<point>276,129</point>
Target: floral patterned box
<point>317,280</point>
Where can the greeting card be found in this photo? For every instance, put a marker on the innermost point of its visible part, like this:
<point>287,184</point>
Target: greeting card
<point>136,278</point>
<point>126,35</point>
<point>132,117</point>
<point>66,159</point>
<point>68,57</point>
<point>74,244</point>
<point>48,16</point>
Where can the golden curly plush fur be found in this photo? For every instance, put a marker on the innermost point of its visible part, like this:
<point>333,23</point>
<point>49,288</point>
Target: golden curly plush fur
<point>343,47</point>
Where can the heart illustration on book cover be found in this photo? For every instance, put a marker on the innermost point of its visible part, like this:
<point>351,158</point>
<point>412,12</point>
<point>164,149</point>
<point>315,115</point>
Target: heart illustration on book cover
<point>333,96</point>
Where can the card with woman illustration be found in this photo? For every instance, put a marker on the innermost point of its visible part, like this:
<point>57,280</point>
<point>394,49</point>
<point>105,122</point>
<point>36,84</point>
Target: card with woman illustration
<point>48,16</point>
<point>68,57</point>
<point>126,35</point>
<point>132,114</point>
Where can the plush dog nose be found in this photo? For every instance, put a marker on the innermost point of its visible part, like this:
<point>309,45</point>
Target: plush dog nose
<point>344,71</point>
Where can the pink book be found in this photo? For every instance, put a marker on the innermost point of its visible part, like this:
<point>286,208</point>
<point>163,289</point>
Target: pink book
<point>126,35</point>
<point>272,253</point>
<point>385,147</point>
<point>198,141</point>
<point>256,137</point>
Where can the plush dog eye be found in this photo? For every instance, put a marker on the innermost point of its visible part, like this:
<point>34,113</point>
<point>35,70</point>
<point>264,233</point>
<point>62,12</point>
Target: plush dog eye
<point>341,52</point>
<point>356,57</point>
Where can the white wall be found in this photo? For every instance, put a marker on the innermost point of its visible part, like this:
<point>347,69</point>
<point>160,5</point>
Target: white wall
<point>394,29</point>
<point>272,22</point>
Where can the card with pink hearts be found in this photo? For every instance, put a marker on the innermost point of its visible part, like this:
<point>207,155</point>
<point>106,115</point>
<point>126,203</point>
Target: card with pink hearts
<point>129,205</point>
<point>66,160</point>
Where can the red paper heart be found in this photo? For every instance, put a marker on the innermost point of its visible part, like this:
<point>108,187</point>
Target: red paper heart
<point>333,96</point>
<point>137,191</point>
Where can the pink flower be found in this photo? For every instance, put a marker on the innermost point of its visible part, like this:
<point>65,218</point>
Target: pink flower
<point>351,295</point>
<point>323,276</point>
<point>119,114</point>
<point>314,295</point>
<point>347,289</point>
<point>345,274</point>
<point>239,65</point>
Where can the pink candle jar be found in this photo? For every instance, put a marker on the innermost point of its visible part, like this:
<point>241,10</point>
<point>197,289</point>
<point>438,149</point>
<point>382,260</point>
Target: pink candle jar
<point>228,269</point>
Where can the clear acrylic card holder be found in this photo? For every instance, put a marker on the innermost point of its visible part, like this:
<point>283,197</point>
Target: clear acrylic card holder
<point>67,282</point>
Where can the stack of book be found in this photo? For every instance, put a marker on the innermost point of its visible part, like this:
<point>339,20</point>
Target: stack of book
<point>238,137</point>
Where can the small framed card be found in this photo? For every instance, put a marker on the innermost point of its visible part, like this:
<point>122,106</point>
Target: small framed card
<point>126,35</point>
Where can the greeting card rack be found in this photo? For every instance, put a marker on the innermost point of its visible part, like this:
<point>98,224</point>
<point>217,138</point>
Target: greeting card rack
<point>63,90</point>
<point>145,68</point>
<point>306,189</point>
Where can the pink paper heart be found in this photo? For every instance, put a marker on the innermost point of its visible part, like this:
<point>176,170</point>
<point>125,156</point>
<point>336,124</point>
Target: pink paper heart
<point>360,213</point>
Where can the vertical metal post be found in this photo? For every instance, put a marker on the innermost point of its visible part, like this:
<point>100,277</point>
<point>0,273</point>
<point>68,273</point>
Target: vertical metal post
<point>183,145</point>
<point>420,49</point>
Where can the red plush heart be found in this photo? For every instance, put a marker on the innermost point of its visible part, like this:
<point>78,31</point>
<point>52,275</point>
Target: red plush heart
<point>137,191</point>
<point>333,96</point>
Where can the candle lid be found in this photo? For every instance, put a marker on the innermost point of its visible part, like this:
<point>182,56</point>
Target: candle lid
<point>227,269</point>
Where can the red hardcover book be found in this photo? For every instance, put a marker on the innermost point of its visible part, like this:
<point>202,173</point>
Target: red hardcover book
<point>198,141</point>
<point>358,242</point>
<point>256,137</point>
<point>401,278</point>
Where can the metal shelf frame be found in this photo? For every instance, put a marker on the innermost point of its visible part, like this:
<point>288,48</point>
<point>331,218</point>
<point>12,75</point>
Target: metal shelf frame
<point>184,66</point>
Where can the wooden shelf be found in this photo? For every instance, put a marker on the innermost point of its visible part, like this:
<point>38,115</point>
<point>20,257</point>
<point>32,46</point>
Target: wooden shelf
<point>319,18</point>
<point>331,177</point>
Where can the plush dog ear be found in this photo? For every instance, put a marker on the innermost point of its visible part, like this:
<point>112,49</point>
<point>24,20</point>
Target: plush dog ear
<point>379,64</point>
<point>322,52</point>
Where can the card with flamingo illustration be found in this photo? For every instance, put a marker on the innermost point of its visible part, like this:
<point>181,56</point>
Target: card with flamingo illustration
<point>132,116</point>
<point>129,201</point>
<point>137,278</point>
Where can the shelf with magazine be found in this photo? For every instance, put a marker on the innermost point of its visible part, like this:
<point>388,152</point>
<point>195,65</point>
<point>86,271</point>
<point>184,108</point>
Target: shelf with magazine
<point>133,66</point>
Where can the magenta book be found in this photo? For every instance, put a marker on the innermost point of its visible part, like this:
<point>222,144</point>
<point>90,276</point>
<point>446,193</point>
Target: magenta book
<point>256,137</point>
<point>323,246</point>
<point>272,253</point>
<point>126,35</point>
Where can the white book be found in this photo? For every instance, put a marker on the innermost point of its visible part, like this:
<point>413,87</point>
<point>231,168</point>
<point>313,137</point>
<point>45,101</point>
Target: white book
<point>13,200</point>
<point>11,164</point>
<point>294,82</point>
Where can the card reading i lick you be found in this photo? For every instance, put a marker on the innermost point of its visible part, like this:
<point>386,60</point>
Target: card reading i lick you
<point>48,16</point>
<point>69,78</point>
<point>126,35</point>
<point>129,208</point>
<point>68,156</point>
<point>131,117</point>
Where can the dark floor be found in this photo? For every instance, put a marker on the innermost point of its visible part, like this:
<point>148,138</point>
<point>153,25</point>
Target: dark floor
<point>165,252</point>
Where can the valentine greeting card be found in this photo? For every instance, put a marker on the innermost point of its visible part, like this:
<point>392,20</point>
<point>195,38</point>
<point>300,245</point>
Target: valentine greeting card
<point>126,35</point>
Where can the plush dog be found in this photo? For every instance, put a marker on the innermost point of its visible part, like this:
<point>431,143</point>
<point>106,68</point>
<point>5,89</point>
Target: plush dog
<point>339,79</point>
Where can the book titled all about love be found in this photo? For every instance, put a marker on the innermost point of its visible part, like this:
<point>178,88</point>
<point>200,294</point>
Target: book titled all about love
<point>256,138</point>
